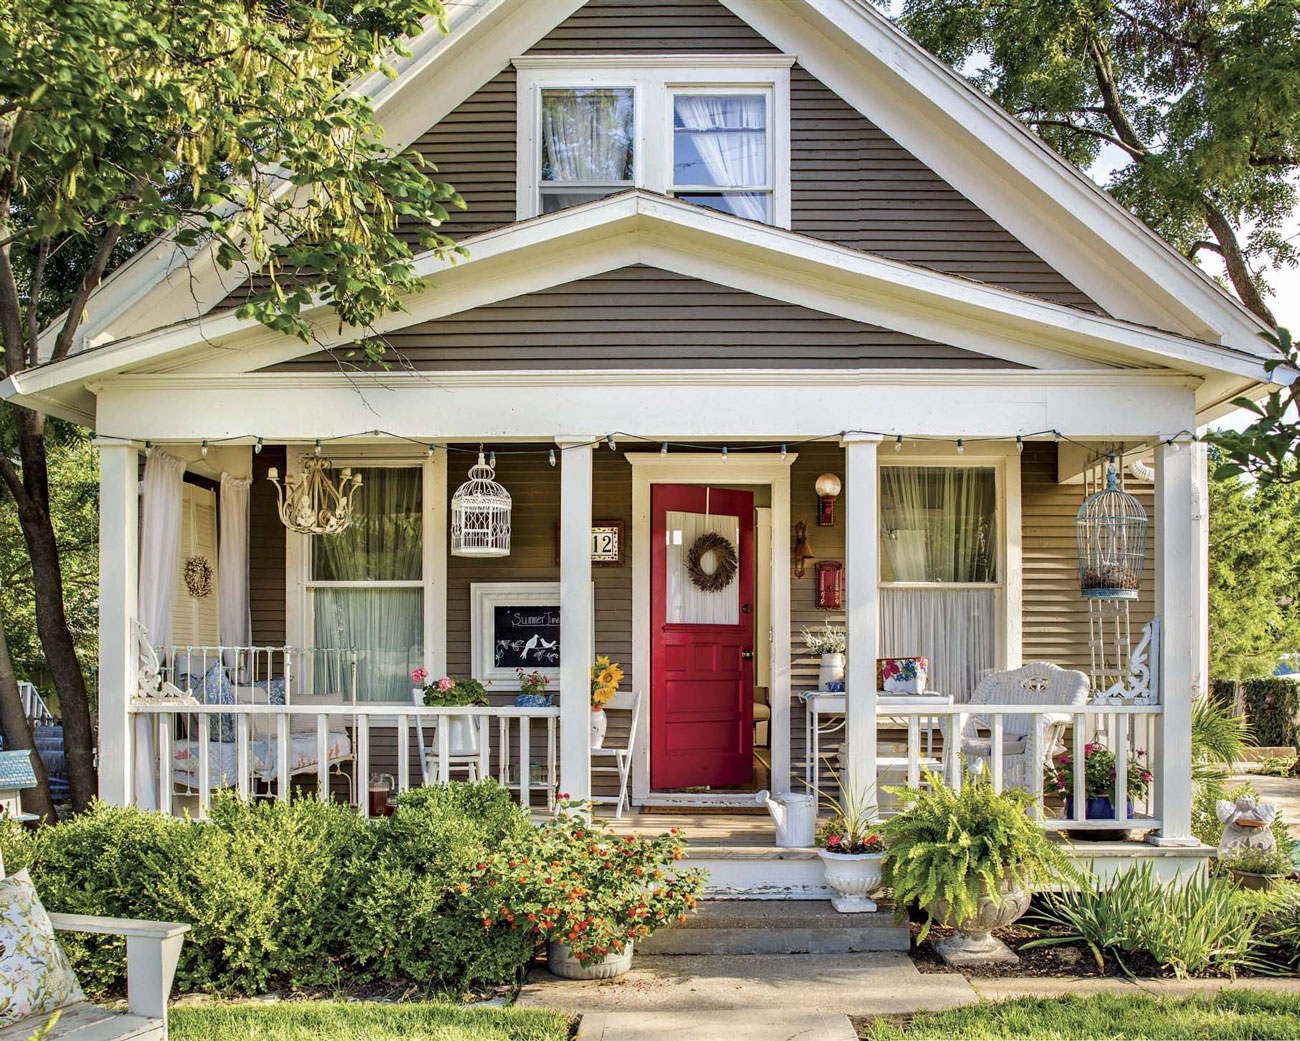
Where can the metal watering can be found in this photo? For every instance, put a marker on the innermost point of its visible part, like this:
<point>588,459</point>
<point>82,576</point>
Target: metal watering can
<point>795,817</point>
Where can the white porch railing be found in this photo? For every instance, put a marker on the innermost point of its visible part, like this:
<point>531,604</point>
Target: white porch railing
<point>1124,729</point>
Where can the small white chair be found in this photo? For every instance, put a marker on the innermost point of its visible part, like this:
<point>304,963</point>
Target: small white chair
<point>1037,683</point>
<point>152,950</point>
<point>465,760</point>
<point>622,764</point>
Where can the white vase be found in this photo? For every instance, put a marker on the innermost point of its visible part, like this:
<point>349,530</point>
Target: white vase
<point>853,877</point>
<point>462,735</point>
<point>830,671</point>
<point>417,695</point>
<point>562,962</point>
<point>598,724</point>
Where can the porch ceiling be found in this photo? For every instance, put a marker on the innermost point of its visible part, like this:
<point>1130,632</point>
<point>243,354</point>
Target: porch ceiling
<point>642,228</point>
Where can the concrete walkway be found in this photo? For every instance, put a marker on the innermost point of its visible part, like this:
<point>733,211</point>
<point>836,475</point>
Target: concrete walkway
<point>755,998</point>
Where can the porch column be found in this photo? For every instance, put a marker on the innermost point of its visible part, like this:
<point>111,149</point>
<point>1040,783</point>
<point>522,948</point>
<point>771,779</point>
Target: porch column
<point>1201,571</point>
<point>1176,500</point>
<point>575,615</point>
<point>862,593</point>
<point>119,514</point>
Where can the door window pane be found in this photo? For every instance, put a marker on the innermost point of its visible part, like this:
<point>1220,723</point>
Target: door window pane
<point>587,145</point>
<point>383,542</point>
<point>685,602</point>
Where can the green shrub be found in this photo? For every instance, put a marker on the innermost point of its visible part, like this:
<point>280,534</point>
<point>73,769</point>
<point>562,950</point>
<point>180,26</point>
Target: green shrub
<point>1271,704</point>
<point>945,845</point>
<point>300,894</point>
<point>1189,928</point>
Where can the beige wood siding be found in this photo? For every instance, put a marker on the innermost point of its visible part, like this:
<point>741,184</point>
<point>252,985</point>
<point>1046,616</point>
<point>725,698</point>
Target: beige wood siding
<point>643,317</point>
<point>266,552</point>
<point>1055,615</point>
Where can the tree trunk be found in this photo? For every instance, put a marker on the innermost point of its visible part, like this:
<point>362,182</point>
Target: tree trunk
<point>1238,270</point>
<point>51,621</point>
<point>17,734</point>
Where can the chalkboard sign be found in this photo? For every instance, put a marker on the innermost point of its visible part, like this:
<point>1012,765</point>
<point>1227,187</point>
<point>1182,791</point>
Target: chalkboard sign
<point>526,636</point>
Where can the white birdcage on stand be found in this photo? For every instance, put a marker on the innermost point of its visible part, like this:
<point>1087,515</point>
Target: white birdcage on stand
<point>480,515</point>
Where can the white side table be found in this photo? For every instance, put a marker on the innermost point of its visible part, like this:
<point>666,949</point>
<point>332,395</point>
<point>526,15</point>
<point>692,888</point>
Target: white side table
<point>824,703</point>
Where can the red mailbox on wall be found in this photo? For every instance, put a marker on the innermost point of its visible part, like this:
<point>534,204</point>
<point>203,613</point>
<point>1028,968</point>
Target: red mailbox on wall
<point>830,585</point>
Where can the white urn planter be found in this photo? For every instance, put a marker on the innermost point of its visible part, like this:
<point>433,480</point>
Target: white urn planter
<point>830,671</point>
<point>564,963</point>
<point>972,942</point>
<point>598,724</point>
<point>462,735</point>
<point>853,877</point>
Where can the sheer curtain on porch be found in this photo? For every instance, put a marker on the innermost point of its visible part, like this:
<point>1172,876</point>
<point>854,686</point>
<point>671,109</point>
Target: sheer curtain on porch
<point>367,584</point>
<point>940,593</point>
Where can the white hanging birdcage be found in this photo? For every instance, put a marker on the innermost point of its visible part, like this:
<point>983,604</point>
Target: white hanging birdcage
<point>480,515</point>
<point>1112,534</point>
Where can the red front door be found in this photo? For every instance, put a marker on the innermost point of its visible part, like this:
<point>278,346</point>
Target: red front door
<point>701,641</point>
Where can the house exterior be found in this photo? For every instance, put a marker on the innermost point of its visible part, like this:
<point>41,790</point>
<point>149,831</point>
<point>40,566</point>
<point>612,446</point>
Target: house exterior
<point>742,245</point>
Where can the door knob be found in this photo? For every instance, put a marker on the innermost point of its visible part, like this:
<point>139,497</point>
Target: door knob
<point>747,655</point>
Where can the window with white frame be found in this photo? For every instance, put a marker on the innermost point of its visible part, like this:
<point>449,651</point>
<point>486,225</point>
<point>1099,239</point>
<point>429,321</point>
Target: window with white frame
<point>366,584</point>
<point>941,570</point>
<point>711,130</point>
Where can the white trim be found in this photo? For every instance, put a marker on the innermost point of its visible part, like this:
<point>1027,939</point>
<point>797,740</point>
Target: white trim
<point>757,468</point>
<point>862,616</point>
<point>654,80</point>
<point>577,605</point>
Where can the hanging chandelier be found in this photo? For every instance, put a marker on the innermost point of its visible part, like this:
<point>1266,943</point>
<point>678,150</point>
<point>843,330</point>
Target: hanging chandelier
<point>480,515</point>
<point>310,502</point>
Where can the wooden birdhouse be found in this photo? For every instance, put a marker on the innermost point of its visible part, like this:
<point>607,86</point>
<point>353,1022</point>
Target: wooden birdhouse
<point>16,774</point>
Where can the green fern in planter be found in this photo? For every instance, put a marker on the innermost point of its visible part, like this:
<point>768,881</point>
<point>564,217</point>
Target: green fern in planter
<point>944,844</point>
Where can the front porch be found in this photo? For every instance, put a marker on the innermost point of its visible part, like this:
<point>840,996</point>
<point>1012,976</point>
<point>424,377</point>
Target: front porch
<point>335,735</point>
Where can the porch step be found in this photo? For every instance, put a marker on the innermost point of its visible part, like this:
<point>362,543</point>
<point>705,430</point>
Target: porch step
<point>778,927</point>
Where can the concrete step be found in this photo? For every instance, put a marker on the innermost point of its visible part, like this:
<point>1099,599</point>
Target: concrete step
<point>778,927</point>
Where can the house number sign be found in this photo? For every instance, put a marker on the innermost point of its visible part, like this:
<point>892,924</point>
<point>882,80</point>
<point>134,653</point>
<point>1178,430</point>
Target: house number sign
<point>606,543</point>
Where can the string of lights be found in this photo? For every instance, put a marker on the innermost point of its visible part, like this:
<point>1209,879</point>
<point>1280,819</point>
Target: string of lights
<point>611,440</point>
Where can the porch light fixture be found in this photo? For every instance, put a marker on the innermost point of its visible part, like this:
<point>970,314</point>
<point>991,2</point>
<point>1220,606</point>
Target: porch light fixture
<point>310,502</point>
<point>480,515</point>
<point>828,486</point>
<point>802,551</point>
<point>1112,537</point>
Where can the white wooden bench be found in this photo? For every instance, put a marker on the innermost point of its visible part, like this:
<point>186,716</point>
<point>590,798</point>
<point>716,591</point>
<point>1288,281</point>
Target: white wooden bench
<point>152,950</point>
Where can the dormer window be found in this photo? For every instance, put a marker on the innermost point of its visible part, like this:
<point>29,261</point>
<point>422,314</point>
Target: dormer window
<point>710,130</point>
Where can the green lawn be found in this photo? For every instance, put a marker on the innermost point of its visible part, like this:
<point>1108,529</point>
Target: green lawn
<point>1235,1015</point>
<point>357,1021</point>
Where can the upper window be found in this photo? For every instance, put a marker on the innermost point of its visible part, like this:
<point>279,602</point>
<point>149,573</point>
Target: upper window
<point>713,131</point>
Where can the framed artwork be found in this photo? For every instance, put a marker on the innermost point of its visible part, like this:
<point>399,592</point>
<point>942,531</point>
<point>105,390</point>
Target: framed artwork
<point>515,625</point>
<point>608,542</point>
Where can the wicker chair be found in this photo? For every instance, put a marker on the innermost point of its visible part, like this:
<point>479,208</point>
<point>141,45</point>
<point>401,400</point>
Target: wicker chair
<point>1038,683</point>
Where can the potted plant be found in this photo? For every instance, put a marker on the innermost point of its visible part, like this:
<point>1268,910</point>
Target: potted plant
<point>1099,769</point>
<point>829,642</point>
<point>1255,868</point>
<point>606,675</point>
<point>851,850</point>
<point>589,892</point>
<point>970,859</point>
<point>462,733</point>
<point>532,689</point>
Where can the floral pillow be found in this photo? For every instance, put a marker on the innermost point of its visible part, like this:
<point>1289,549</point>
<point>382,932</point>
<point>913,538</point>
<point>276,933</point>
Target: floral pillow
<point>35,976</point>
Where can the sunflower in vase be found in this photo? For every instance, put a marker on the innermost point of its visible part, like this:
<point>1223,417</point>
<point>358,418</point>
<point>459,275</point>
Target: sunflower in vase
<point>606,675</point>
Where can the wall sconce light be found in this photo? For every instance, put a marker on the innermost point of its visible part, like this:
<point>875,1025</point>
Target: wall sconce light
<point>828,486</point>
<point>830,585</point>
<point>802,551</point>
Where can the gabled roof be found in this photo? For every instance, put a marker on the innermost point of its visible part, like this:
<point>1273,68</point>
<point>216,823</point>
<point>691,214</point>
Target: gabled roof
<point>989,156</point>
<point>639,227</point>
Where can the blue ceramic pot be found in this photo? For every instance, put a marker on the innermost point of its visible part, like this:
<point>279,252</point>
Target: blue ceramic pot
<point>1099,807</point>
<point>533,700</point>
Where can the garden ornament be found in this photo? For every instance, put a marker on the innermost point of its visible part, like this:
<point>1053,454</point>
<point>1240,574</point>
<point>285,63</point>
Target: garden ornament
<point>1246,824</point>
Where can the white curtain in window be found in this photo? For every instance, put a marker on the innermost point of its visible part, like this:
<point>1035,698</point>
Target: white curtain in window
<point>939,523</point>
<point>235,621</point>
<point>587,135</point>
<point>729,136</point>
<point>686,603</point>
<point>384,542</point>
<point>162,494</point>
<point>955,628</point>
<point>386,629</point>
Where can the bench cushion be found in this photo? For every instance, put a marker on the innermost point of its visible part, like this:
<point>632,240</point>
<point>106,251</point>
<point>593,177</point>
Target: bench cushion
<point>35,975</point>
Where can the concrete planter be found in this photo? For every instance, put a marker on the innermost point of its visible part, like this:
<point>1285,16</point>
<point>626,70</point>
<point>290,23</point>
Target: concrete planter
<point>853,877</point>
<point>563,963</point>
<point>1254,880</point>
<point>972,942</point>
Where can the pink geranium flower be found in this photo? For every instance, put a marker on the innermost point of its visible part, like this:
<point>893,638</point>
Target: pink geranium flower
<point>419,675</point>
<point>446,683</point>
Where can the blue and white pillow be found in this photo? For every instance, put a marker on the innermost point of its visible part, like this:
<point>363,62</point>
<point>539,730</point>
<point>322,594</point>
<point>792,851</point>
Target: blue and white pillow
<point>274,689</point>
<point>218,690</point>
